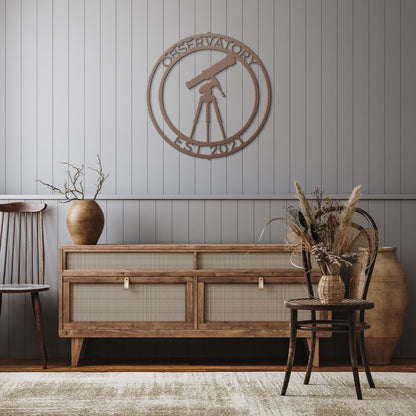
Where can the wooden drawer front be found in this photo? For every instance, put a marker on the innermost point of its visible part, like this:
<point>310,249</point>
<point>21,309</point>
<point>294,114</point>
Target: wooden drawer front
<point>244,260</point>
<point>247,260</point>
<point>128,260</point>
<point>143,302</point>
<point>244,302</point>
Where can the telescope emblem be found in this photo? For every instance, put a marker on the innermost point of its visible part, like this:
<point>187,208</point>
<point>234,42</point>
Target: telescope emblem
<point>187,106</point>
<point>206,90</point>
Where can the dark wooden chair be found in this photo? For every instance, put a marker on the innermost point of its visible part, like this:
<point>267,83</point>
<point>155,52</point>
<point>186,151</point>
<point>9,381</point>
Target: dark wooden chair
<point>353,308</point>
<point>22,256</point>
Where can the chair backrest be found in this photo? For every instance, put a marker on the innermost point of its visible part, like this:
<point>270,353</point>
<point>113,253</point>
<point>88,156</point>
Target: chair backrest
<point>369,233</point>
<point>22,254</point>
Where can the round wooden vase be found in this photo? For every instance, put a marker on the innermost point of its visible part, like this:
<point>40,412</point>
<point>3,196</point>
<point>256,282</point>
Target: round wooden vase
<point>388,290</point>
<point>331,290</point>
<point>85,221</point>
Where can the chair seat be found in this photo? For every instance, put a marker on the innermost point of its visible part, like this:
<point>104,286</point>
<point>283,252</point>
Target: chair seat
<point>307,304</point>
<point>22,288</point>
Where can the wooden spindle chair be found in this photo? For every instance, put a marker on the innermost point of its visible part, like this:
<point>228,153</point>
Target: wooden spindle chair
<point>355,309</point>
<point>22,256</point>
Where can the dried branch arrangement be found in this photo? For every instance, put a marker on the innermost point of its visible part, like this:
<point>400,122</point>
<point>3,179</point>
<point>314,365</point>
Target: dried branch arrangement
<point>74,188</point>
<point>327,231</point>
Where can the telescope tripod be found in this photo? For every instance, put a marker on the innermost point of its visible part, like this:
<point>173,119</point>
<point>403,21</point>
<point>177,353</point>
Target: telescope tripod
<point>208,98</point>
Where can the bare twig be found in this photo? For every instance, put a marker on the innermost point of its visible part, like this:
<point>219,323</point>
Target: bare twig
<point>74,188</point>
<point>101,176</point>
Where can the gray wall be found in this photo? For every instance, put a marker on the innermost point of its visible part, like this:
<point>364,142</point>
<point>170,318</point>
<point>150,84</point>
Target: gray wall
<point>73,78</point>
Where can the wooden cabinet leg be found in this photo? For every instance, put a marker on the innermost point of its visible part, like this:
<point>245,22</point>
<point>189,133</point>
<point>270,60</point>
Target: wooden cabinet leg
<point>316,355</point>
<point>77,349</point>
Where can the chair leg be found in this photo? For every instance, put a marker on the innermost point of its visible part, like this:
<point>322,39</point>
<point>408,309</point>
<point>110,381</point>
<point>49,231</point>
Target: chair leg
<point>39,325</point>
<point>1,294</point>
<point>292,349</point>
<point>353,352</point>
<point>364,360</point>
<point>310,359</point>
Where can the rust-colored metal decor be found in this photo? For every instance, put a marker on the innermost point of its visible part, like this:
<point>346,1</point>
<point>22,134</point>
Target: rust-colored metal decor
<point>226,56</point>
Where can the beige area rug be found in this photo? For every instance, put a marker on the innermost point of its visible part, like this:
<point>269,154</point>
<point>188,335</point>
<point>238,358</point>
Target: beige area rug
<point>208,394</point>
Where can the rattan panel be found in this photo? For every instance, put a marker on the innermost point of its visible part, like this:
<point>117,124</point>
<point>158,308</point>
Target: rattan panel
<point>245,302</point>
<point>247,260</point>
<point>130,260</point>
<point>141,302</point>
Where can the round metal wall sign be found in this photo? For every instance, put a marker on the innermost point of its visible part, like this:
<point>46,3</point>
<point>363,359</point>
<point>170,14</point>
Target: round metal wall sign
<point>194,71</point>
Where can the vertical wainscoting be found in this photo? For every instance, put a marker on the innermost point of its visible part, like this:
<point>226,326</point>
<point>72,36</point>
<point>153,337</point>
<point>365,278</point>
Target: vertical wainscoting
<point>73,79</point>
<point>132,221</point>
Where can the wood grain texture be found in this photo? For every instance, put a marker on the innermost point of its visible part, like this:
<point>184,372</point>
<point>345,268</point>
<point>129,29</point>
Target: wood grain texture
<point>77,345</point>
<point>196,278</point>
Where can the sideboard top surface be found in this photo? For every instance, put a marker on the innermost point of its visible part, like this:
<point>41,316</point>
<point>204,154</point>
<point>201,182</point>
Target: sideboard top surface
<point>178,247</point>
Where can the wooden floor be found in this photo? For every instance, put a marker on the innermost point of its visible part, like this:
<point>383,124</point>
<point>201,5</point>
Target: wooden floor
<point>57,366</point>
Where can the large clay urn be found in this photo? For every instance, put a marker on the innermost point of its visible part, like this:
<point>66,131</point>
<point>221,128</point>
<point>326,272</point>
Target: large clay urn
<point>85,221</point>
<point>388,290</point>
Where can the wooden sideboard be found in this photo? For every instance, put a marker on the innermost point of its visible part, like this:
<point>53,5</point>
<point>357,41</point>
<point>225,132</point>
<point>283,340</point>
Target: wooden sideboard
<point>176,291</point>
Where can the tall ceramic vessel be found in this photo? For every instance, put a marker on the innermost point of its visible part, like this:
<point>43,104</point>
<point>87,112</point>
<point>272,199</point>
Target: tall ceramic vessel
<point>85,221</point>
<point>388,290</point>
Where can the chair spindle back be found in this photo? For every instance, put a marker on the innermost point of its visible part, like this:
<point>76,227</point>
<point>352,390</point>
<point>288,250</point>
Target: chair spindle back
<point>22,252</point>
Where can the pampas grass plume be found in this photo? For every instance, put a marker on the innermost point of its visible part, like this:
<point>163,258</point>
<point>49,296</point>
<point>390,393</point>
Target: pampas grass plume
<point>346,217</point>
<point>305,206</point>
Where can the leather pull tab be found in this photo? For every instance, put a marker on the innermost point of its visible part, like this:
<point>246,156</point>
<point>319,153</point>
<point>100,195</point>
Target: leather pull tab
<point>261,283</point>
<point>126,283</point>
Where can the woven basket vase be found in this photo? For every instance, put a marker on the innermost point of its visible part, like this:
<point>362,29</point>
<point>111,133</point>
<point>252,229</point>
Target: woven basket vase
<point>331,290</point>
